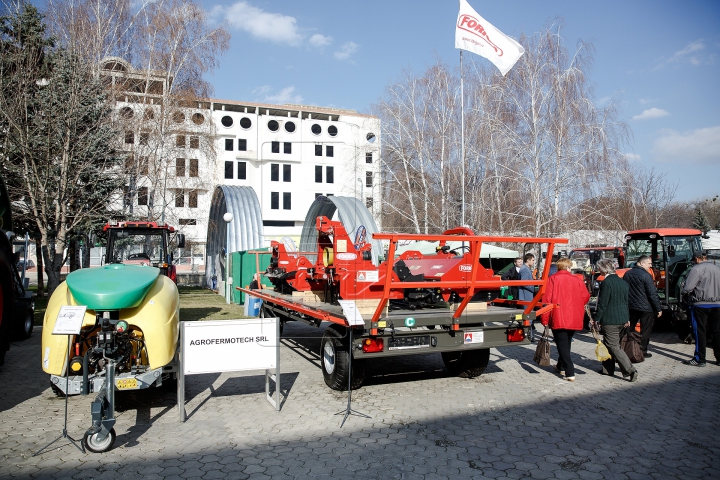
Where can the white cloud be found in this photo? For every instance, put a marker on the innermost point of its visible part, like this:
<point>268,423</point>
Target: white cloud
<point>694,54</point>
<point>286,95</point>
<point>645,101</point>
<point>319,40</point>
<point>633,157</point>
<point>700,146</point>
<point>274,27</point>
<point>346,50</point>
<point>651,113</point>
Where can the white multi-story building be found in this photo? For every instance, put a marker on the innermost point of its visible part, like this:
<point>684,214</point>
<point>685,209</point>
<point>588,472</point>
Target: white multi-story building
<point>288,154</point>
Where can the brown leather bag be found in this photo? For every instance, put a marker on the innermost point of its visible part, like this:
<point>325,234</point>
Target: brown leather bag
<point>542,352</point>
<point>630,343</point>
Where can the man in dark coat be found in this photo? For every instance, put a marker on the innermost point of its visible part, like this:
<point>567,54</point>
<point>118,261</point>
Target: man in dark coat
<point>643,300</point>
<point>702,287</point>
<point>513,274</point>
<point>612,315</point>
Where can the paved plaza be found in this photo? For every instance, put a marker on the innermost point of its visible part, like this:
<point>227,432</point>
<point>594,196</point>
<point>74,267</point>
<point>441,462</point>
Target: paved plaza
<point>516,420</point>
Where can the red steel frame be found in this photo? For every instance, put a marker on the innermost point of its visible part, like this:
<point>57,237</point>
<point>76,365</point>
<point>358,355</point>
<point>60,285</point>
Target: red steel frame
<point>475,242</point>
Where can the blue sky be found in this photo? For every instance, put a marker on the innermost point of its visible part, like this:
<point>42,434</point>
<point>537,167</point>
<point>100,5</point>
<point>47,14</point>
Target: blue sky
<point>661,58</point>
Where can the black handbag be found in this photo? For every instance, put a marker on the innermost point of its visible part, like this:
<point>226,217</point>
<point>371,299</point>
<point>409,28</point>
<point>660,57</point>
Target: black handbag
<point>630,343</point>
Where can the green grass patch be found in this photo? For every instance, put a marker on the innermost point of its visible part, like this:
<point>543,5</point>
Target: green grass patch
<point>196,304</point>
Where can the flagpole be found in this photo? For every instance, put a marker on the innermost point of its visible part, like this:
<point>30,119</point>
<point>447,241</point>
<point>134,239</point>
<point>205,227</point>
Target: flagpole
<point>462,136</point>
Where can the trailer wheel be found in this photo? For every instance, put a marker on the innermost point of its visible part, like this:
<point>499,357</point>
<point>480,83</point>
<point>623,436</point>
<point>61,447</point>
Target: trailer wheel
<point>468,363</point>
<point>25,324</point>
<point>334,361</point>
<point>91,443</point>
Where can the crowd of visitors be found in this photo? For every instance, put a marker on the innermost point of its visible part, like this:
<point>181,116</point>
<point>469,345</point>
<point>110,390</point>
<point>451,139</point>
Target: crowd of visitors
<point>622,304</point>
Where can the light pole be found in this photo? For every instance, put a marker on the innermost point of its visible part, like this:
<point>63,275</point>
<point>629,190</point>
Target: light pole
<point>228,217</point>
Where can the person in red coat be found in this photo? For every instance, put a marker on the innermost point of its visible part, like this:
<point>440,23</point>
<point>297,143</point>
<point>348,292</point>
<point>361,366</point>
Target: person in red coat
<point>570,295</point>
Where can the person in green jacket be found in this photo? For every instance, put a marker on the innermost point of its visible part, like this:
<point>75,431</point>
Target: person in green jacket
<point>612,315</point>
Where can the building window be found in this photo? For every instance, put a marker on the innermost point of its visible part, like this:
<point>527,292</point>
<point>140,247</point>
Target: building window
<point>192,199</point>
<point>229,170</point>
<point>188,221</point>
<point>318,195</point>
<point>329,195</point>
<point>275,147</point>
<point>368,179</point>
<point>179,167</point>
<point>127,196</point>
<point>290,127</point>
<point>129,137</point>
<point>329,174</point>
<point>245,123</point>
<point>242,145</point>
<point>318,150</point>
<point>242,170</point>
<point>273,125</point>
<point>318,174</point>
<point>198,118</point>
<point>180,141</point>
<point>144,138</point>
<point>316,129</point>
<point>286,201</point>
<point>143,165</point>
<point>228,144</point>
<point>142,196</point>
<point>274,172</point>
<point>286,173</point>
<point>194,141</point>
<point>194,168</point>
<point>369,203</point>
<point>329,151</point>
<point>274,200</point>
<point>332,130</point>
<point>287,147</point>
<point>368,157</point>
<point>227,121</point>
<point>179,198</point>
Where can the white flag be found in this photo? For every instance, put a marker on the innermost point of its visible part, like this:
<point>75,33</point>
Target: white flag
<point>475,34</point>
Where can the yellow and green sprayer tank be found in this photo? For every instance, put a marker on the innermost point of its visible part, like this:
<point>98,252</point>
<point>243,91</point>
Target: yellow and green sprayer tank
<point>129,334</point>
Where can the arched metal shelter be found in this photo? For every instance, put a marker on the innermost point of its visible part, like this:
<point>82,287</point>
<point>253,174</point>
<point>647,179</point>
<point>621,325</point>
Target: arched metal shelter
<point>246,229</point>
<point>352,214</point>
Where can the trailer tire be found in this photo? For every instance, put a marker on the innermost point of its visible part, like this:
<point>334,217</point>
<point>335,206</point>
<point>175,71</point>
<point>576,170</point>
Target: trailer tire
<point>468,363</point>
<point>334,361</point>
<point>94,446</point>
<point>25,323</point>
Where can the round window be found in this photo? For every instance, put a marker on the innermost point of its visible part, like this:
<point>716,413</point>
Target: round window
<point>178,117</point>
<point>227,121</point>
<point>289,127</point>
<point>127,113</point>
<point>273,125</point>
<point>198,118</point>
<point>371,137</point>
<point>316,129</point>
<point>332,130</point>
<point>245,123</point>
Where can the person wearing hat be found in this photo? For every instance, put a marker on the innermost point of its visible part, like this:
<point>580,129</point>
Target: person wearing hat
<point>702,288</point>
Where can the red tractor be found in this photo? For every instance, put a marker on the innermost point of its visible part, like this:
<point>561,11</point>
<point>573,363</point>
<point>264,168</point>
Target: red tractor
<point>142,243</point>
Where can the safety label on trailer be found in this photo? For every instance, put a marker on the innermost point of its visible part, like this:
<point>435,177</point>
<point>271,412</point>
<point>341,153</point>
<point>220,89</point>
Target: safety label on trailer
<point>367,276</point>
<point>474,337</point>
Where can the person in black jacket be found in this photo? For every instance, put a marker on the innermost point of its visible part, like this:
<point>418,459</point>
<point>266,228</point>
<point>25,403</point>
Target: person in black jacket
<point>643,300</point>
<point>612,316</point>
<point>513,274</point>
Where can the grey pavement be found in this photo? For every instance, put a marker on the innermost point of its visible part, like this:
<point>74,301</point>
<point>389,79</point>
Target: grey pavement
<point>516,420</point>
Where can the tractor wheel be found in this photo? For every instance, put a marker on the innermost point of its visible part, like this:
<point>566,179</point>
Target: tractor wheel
<point>24,325</point>
<point>90,442</point>
<point>334,360</point>
<point>468,363</point>
<point>6,306</point>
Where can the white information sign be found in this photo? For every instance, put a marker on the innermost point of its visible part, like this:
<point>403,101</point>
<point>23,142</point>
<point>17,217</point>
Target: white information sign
<point>230,345</point>
<point>69,320</point>
<point>351,312</point>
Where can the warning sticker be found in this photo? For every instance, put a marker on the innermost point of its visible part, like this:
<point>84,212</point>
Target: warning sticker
<point>367,276</point>
<point>474,337</point>
<point>342,246</point>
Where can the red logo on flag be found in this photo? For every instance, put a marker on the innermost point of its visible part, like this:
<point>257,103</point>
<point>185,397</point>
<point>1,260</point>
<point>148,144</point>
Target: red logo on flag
<point>472,25</point>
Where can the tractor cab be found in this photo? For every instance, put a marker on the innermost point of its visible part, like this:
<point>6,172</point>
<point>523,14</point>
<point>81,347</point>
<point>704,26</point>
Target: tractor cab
<point>143,244</point>
<point>671,251</point>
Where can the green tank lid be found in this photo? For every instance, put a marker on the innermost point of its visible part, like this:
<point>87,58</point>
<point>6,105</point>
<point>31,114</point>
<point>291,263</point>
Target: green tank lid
<point>111,287</point>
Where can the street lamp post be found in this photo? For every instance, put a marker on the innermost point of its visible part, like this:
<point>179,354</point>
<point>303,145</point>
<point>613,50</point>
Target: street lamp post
<point>228,217</point>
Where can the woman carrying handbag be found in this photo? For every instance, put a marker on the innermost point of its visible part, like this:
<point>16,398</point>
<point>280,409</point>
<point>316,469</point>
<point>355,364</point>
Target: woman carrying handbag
<point>569,295</point>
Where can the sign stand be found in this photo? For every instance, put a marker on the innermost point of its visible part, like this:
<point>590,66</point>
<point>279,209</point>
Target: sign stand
<point>69,322</point>
<point>349,410</point>
<point>249,335</point>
